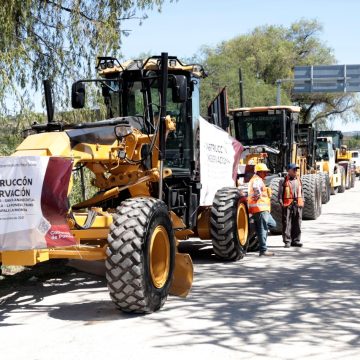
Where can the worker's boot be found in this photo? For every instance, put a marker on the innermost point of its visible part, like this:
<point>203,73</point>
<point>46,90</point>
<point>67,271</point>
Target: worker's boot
<point>267,253</point>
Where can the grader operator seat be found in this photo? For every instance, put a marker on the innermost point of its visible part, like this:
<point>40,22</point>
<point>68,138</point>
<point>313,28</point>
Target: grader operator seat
<point>178,143</point>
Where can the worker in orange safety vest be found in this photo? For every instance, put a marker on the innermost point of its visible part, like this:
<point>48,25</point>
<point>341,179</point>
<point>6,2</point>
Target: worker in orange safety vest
<point>291,198</point>
<point>259,204</point>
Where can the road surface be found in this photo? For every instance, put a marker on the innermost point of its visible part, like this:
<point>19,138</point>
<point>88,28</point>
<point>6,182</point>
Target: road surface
<point>301,304</point>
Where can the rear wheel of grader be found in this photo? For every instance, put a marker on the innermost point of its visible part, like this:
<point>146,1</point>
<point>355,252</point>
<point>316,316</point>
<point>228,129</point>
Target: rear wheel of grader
<point>140,256</point>
<point>254,245</point>
<point>319,187</point>
<point>347,169</point>
<point>326,187</point>
<point>276,210</point>
<point>353,178</point>
<point>229,224</point>
<point>312,196</point>
<point>253,241</point>
<point>341,187</point>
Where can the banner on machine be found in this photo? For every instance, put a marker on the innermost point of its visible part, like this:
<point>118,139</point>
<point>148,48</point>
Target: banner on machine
<point>219,158</point>
<point>33,202</point>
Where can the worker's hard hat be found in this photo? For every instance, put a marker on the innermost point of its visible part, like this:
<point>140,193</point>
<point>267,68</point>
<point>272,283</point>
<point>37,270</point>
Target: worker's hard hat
<point>261,167</point>
<point>292,166</point>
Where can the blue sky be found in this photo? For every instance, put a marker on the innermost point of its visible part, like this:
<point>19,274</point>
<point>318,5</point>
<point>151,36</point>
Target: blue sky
<point>184,26</point>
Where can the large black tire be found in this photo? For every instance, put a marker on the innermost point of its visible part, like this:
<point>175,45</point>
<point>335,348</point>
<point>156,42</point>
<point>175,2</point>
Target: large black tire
<point>254,245</point>
<point>353,178</point>
<point>326,187</point>
<point>276,210</point>
<point>347,176</point>
<point>140,256</point>
<point>229,224</point>
<point>312,197</point>
<point>319,187</point>
<point>341,188</point>
<point>253,241</point>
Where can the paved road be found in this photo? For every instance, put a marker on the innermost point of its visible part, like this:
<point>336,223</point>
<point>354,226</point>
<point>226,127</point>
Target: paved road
<point>301,304</point>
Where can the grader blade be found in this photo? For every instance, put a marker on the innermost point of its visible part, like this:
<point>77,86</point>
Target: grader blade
<point>183,275</point>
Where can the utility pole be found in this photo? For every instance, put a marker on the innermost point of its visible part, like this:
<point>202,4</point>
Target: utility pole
<point>241,88</point>
<point>278,92</point>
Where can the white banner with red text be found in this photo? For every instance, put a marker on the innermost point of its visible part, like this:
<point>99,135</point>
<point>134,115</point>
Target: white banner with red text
<point>34,203</point>
<point>219,158</point>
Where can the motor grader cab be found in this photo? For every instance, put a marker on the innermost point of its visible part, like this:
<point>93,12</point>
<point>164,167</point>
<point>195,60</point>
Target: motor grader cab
<point>269,130</point>
<point>269,135</point>
<point>342,159</point>
<point>144,161</point>
<point>305,135</point>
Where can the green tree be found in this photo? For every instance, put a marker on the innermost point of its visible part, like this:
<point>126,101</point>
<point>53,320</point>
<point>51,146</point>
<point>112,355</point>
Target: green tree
<point>267,54</point>
<point>12,128</point>
<point>59,39</point>
<point>353,142</point>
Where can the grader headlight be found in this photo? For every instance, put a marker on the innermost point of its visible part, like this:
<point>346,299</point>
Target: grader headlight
<point>121,131</point>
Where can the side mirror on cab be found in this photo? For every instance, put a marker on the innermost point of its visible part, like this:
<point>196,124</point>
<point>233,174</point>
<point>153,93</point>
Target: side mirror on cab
<point>179,89</point>
<point>78,95</point>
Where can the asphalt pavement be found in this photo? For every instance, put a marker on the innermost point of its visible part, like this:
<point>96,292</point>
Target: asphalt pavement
<point>303,303</point>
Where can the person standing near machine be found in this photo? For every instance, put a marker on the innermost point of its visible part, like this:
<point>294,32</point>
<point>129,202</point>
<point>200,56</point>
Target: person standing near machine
<point>259,204</point>
<point>291,199</point>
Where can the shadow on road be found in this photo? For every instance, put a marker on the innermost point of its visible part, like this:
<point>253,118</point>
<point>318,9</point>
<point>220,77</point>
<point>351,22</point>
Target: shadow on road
<point>24,291</point>
<point>318,294</point>
<point>256,301</point>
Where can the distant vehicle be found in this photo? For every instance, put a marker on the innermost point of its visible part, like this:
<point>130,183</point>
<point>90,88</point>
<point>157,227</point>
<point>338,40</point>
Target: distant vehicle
<point>355,157</point>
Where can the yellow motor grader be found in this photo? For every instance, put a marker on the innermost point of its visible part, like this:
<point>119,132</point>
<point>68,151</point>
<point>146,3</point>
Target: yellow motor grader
<point>334,156</point>
<point>326,162</point>
<point>144,159</point>
<point>270,134</point>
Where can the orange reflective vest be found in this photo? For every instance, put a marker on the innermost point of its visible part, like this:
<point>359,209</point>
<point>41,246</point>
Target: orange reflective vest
<point>288,196</point>
<point>256,203</point>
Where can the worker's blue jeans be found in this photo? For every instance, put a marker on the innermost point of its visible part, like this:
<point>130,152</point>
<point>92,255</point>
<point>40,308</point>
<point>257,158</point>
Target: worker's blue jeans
<point>263,222</point>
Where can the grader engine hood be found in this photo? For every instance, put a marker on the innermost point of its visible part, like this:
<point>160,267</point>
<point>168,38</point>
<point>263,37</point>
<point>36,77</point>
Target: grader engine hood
<point>45,144</point>
<point>75,137</point>
<point>98,135</point>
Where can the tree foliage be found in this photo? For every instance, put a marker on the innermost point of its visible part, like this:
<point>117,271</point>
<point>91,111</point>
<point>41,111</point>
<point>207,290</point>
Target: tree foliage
<point>59,39</point>
<point>352,142</point>
<point>267,54</point>
<point>12,128</point>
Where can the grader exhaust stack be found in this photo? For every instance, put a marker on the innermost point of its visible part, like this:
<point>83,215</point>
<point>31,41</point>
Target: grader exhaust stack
<point>48,101</point>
